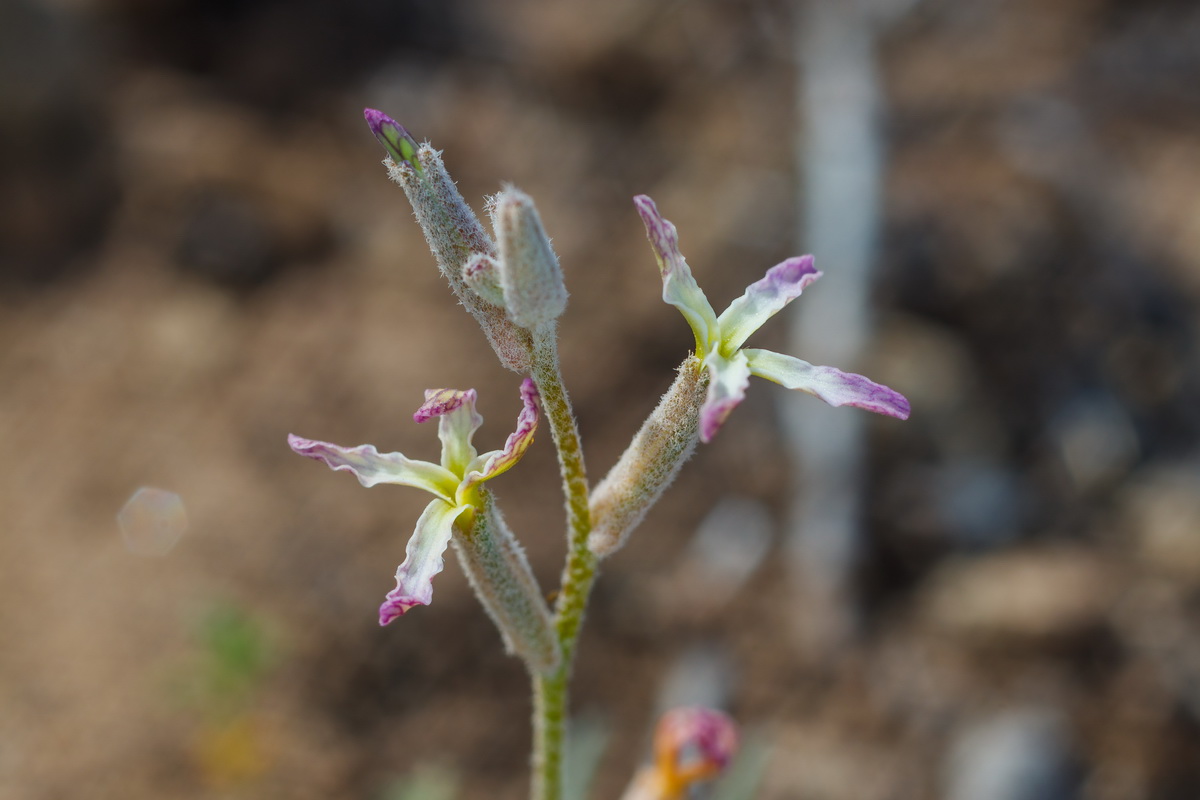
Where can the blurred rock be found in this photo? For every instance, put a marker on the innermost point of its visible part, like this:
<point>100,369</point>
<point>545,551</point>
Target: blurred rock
<point>930,362</point>
<point>1029,595</point>
<point>1150,61</point>
<point>816,762</point>
<point>728,547</point>
<point>226,239</point>
<point>57,185</point>
<point>1155,622</point>
<point>1161,512</point>
<point>1017,755</point>
<point>981,503</point>
<point>218,187</point>
<point>1095,439</point>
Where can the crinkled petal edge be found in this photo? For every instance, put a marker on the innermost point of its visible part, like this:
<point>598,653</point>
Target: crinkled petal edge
<point>414,577</point>
<point>489,465</point>
<point>457,423</point>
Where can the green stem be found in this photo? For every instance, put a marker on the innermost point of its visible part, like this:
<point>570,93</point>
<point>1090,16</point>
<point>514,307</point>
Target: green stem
<point>550,691</point>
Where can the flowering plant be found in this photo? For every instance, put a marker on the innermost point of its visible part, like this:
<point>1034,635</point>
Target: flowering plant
<point>514,288</point>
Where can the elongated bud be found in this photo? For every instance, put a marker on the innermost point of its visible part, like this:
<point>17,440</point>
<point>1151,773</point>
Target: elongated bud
<point>454,235</point>
<point>496,566</point>
<point>391,134</point>
<point>482,276</point>
<point>534,292</point>
<point>648,466</point>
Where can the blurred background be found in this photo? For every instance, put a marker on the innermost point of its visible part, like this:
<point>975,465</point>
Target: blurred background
<point>200,252</point>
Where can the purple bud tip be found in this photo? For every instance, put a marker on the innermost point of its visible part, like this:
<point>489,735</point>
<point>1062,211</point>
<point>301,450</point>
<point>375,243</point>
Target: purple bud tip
<point>391,134</point>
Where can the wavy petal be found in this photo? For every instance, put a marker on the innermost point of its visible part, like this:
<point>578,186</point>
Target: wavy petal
<point>835,387</point>
<point>489,465</point>
<point>414,578</point>
<point>457,422</point>
<point>763,299</point>
<point>729,378</point>
<point>372,467</point>
<point>679,287</point>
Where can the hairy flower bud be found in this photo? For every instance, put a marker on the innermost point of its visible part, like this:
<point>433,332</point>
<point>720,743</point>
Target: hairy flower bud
<point>482,276</point>
<point>454,235</point>
<point>534,292</point>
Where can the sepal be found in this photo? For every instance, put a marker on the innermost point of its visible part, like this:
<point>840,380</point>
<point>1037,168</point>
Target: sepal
<point>658,451</point>
<point>497,568</point>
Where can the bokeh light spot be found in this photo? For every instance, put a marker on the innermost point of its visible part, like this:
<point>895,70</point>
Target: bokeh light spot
<point>152,521</point>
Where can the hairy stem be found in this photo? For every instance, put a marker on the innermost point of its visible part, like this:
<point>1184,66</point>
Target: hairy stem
<point>550,691</point>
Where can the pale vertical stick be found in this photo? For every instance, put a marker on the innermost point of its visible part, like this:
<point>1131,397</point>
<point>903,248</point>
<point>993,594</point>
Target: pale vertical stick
<point>839,158</point>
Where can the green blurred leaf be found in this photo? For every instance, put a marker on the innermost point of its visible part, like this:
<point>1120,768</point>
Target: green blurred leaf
<point>427,782</point>
<point>586,746</point>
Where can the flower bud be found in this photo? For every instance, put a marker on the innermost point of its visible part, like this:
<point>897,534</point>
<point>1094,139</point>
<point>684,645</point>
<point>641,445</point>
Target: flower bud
<point>482,276</point>
<point>453,232</point>
<point>534,292</point>
<point>391,134</point>
<point>690,745</point>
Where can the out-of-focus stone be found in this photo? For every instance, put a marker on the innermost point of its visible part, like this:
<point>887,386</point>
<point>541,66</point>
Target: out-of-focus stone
<point>980,502</point>
<point>1017,755</point>
<point>1034,594</point>
<point>932,365</point>
<point>727,549</point>
<point>58,189</point>
<point>1162,514</point>
<point>818,762</point>
<point>1096,440</point>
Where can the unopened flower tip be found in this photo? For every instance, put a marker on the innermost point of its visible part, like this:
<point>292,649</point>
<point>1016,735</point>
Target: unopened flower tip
<point>394,138</point>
